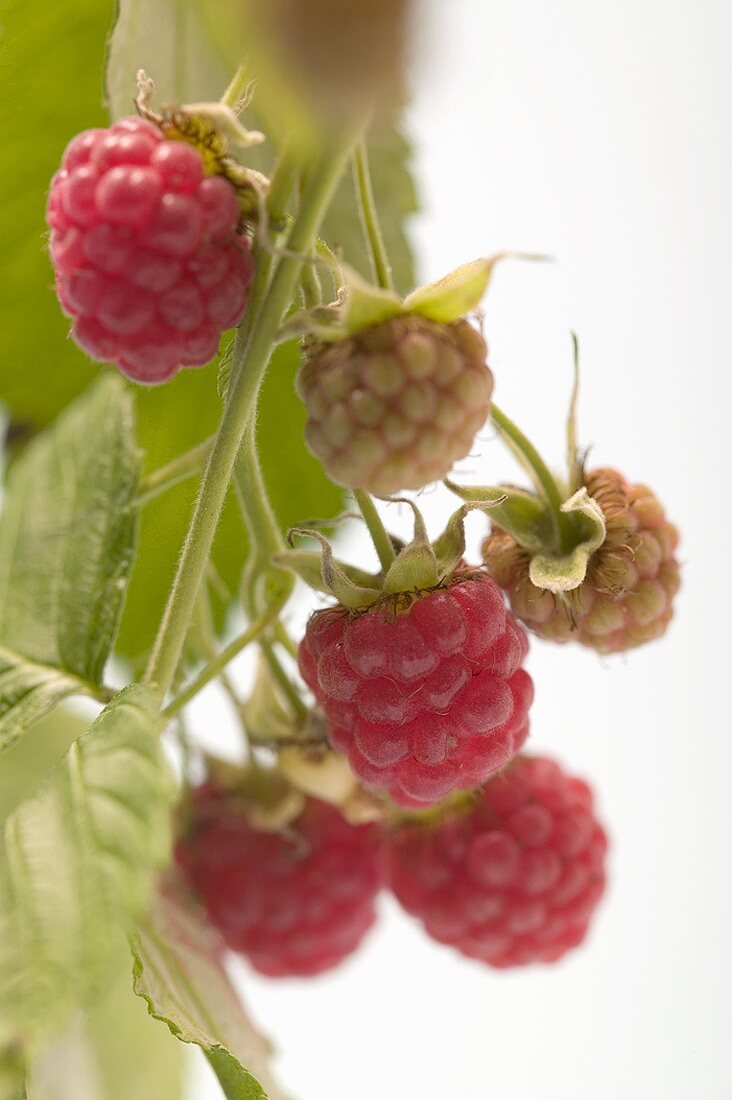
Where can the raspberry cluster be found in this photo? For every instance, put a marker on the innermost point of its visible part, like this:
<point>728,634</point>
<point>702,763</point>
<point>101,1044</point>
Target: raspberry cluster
<point>396,405</point>
<point>294,902</point>
<point>148,259</point>
<point>424,699</point>
<point>515,876</point>
<point>626,598</point>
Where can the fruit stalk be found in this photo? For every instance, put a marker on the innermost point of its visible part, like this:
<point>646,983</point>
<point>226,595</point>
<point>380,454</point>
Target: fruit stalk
<point>250,362</point>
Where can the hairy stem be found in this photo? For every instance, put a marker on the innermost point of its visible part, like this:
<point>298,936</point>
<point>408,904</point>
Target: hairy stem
<point>370,217</point>
<point>168,476</point>
<point>544,477</point>
<point>379,534</point>
<point>283,680</point>
<point>250,362</point>
<point>216,666</point>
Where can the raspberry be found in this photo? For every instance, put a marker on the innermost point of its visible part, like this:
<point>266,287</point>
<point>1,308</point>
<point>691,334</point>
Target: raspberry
<point>514,878</point>
<point>427,700</point>
<point>626,597</point>
<point>394,406</point>
<point>295,903</point>
<point>147,256</point>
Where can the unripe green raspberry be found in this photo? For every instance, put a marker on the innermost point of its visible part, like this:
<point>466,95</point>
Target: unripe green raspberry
<point>395,406</point>
<point>626,598</point>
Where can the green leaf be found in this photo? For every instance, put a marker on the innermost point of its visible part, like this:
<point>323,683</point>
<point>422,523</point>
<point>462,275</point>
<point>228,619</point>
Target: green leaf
<point>47,97</point>
<point>28,692</point>
<point>67,535</point>
<point>26,765</point>
<point>178,970</point>
<point>77,864</point>
<point>111,1052</point>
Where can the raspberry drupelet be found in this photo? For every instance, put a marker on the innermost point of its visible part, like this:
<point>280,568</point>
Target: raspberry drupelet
<point>149,263</point>
<point>627,596</point>
<point>427,699</point>
<point>512,878</point>
<point>294,902</point>
<point>396,405</point>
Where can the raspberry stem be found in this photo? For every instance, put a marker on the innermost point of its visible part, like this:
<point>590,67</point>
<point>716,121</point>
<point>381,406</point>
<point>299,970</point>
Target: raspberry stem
<point>379,534</point>
<point>215,666</point>
<point>544,477</point>
<point>179,469</point>
<point>369,216</point>
<point>250,362</point>
<point>285,683</point>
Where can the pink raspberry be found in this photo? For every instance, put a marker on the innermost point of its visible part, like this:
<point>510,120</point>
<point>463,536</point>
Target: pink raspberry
<point>148,260</point>
<point>295,903</point>
<point>424,699</point>
<point>512,878</point>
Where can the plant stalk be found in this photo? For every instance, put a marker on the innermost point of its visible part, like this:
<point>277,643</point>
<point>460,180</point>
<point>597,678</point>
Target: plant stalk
<point>370,217</point>
<point>250,362</point>
<point>544,477</point>
<point>379,534</point>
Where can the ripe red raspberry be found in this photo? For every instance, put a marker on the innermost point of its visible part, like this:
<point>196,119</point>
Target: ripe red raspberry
<point>626,597</point>
<point>395,406</point>
<point>145,247</point>
<point>296,902</point>
<point>511,879</point>
<point>427,699</point>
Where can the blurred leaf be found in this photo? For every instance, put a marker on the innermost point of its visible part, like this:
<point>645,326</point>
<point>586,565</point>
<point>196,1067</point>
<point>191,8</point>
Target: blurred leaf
<point>28,762</point>
<point>112,1052</point>
<point>48,95</point>
<point>28,692</point>
<point>77,863</point>
<point>179,972</point>
<point>169,40</point>
<point>67,535</point>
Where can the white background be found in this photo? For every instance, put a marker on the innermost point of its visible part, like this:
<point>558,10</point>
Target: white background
<point>598,133</point>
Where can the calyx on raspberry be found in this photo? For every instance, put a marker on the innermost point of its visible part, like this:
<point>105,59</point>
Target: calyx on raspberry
<point>146,243</point>
<point>295,901</point>
<point>600,569</point>
<point>511,877</point>
<point>395,390</point>
<point>418,669</point>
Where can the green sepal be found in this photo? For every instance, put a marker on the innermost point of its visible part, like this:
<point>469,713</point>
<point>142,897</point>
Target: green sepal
<point>352,587</point>
<point>361,305</point>
<point>456,294</point>
<point>449,548</point>
<point>523,515</point>
<point>415,567</point>
<point>562,573</point>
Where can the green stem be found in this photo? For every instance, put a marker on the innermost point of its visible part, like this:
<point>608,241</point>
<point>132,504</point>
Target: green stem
<point>370,217</point>
<point>544,477</point>
<point>168,476</point>
<point>215,666</point>
<point>250,362</point>
<point>284,681</point>
<point>379,534</point>
<point>237,88</point>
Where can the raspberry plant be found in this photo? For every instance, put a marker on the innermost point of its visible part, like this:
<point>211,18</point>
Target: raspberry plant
<point>258,238</point>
